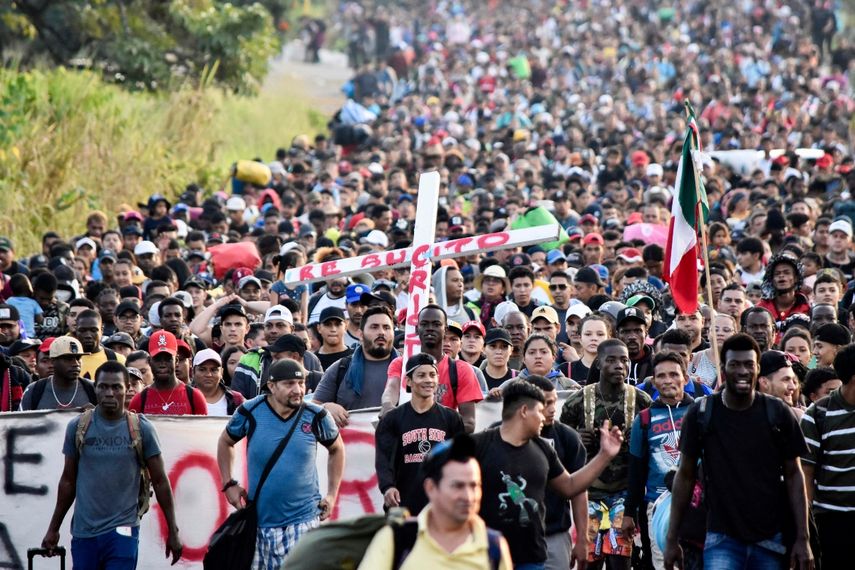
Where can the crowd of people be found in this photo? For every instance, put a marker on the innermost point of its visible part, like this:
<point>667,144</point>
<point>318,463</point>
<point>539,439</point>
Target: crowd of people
<point>732,421</point>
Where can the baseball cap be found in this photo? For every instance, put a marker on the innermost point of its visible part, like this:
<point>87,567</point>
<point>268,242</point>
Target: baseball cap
<point>107,254</point>
<point>162,341</point>
<point>330,313</point>
<point>454,327</point>
<point>144,248</point>
<point>233,309</point>
<point>126,306</point>
<point>236,204</point>
<point>554,256</point>
<point>376,237</point>
<point>85,241</point>
<point>773,360</point>
<point>474,325</point>
<point>194,282</point>
<point>247,280</point>
<point>288,343</point>
<point>841,225</point>
<point>278,313</point>
<point>421,359</point>
<point>182,346</point>
<point>630,313</point>
<point>833,333</point>
<point>503,309</point>
<point>545,312</point>
<point>205,355</point>
<point>46,344</point>
<point>132,215</point>
<point>636,299</point>
<point>6,244</point>
<point>588,275</point>
<point>594,238</point>
<point>120,338</point>
<point>588,219</point>
<point>580,310</point>
<point>23,344</point>
<point>354,292</point>
<point>239,274</point>
<point>286,370</point>
<point>631,255</point>
<point>9,313</point>
<point>519,260</point>
<point>497,335</point>
<point>655,170</point>
<point>132,231</point>
<point>65,346</point>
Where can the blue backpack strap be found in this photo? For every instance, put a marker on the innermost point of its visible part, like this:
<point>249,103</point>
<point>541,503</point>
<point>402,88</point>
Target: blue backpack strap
<point>494,548</point>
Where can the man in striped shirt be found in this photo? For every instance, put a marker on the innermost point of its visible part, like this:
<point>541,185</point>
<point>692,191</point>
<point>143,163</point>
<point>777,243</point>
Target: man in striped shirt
<point>829,465</point>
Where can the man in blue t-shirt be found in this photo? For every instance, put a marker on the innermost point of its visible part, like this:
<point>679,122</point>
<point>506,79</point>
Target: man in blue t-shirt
<point>102,478</point>
<point>654,448</point>
<point>286,510</point>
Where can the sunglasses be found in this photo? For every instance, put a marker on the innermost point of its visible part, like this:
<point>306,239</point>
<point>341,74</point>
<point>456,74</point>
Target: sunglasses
<point>557,287</point>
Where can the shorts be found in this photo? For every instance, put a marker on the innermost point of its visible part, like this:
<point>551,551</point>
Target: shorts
<point>605,537</point>
<point>272,545</point>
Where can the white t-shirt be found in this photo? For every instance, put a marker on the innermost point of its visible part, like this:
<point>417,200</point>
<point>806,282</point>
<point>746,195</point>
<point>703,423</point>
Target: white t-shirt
<point>219,408</point>
<point>324,302</point>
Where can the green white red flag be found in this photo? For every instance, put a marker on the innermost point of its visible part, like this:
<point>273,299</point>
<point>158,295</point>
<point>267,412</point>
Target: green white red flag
<point>689,209</point>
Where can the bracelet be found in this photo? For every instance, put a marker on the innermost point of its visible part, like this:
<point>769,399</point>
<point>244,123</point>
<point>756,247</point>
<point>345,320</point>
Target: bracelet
<point>231,483</point>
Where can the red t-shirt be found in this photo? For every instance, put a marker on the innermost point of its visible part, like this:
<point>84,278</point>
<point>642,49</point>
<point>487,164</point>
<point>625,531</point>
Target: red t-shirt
<point>170,402</point>
<point>468,389</point>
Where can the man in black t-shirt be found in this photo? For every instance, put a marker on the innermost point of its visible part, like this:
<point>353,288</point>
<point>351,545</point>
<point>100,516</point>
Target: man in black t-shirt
<point>750,445</point>
<point>517,464</point>
<point>571,452</point>
<point>406,435</point>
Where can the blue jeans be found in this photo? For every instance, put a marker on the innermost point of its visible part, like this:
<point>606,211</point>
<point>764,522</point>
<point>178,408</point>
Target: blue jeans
<point>722,551</point>
<point>108,551</point>
<point>529,566</point>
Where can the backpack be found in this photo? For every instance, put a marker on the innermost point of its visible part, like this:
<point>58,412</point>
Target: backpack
<point>187,387</point>
<point>341,545</point>
<point>145,492</point>
<point>40,386</point>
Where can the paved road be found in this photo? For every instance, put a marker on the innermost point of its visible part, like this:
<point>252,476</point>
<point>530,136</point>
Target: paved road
<point>322,82</point>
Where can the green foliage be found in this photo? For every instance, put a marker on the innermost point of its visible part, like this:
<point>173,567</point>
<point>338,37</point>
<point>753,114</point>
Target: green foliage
<point>71,143</point>
<point>148,44</point>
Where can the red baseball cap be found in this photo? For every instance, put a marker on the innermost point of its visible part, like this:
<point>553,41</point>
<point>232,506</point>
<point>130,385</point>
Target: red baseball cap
<point>589,218</point>
<point>593,237</point>
<point>640,158</point>
<point>182,346</point>
<point>45,345</point>
<point>631,255</point>
<point>162,341</point>
<point>474,325</point>
<point>240,273</point>
<point>634,218</point>
<point>824,161</point>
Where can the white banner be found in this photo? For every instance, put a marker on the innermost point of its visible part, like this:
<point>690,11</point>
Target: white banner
<point>31,447</point>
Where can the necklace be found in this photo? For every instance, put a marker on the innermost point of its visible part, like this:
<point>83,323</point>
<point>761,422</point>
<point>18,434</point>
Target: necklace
<point>614,411</point>
<point>55,397</point>
<point>165,405</point>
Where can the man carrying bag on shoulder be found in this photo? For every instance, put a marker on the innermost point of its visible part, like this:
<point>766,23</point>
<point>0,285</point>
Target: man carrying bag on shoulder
<point>283,433</point>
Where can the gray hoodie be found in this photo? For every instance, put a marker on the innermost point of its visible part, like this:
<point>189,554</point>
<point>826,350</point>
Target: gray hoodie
<point>458,312</point>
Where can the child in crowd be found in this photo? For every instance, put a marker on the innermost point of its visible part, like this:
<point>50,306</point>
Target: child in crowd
<point>22,299</point>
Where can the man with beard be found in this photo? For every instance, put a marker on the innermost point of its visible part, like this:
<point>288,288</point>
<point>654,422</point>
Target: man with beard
<point>753,486</point>
<point>167,396</point>
<point>333,295</point>
<point>89,333</point>
<point>355,309</point>
<point>358,381</point>
<point>406,434</point>
<point>251,371</point>
<point>760,325</point>
<point>778,379</point>
<point>458,387</point>
<point>782,283</point>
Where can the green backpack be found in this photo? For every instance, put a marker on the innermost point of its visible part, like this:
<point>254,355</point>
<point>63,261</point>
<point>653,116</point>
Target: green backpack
<point>341,545</point>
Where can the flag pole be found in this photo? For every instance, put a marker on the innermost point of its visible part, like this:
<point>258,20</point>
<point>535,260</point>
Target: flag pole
<point>706,257</point>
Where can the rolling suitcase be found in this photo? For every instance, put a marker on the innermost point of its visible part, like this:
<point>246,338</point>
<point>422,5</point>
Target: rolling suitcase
<point>33,552</point>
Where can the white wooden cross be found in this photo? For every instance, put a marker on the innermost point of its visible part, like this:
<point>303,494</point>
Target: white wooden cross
<point>421,255</point>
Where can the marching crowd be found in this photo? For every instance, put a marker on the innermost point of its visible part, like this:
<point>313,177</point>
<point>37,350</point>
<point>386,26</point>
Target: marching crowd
<point>719,437</point>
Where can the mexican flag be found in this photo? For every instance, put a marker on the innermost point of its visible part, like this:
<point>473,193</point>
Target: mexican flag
<point>689,208</point>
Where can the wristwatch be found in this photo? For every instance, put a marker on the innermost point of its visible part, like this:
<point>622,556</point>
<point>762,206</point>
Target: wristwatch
<point>231,483</point>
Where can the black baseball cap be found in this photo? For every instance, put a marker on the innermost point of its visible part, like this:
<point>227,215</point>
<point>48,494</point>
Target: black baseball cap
<point>331,313</point>
<point>773,360</point>
<point>126,306</point>
<point>286,370</point>
<point>497,335</point>
<point>289,343</point>
<point>588,275</point>
<point>630,313</point>
<point>23,344</point>
<point>421,359</point>
<point>232,310</point>
<point>9,313</point>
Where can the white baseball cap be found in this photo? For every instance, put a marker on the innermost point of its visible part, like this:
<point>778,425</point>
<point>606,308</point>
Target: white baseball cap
<point>278,313</point>
<point>85,241</point>
<point>236,203</point>
<point>145,247</point>
<point>844,226</point>
<point>205,355</point>
<point>376,237</point>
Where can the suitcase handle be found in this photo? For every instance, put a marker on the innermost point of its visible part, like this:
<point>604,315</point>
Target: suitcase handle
<point>58,551</point>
